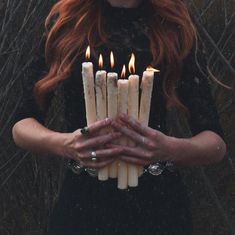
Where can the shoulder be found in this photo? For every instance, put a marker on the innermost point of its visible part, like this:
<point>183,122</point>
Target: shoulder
<point>196,59</point>
<point>195,67</point>
<point>194,80</point>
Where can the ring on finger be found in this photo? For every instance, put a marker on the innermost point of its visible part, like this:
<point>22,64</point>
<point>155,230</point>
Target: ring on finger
<point>93,156</point>
<point>85,131</point>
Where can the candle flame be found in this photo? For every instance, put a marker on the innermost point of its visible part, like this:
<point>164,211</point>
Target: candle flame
<point>101,61</point>
<point>111,59</point>
<point>123,74</point>
<point>88,52</point>
<point>131,65</point>
<point>150,68</point>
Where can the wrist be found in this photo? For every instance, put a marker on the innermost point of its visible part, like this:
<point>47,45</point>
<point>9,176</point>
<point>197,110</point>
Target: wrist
<point>177,149</point>
<point>57,142</point>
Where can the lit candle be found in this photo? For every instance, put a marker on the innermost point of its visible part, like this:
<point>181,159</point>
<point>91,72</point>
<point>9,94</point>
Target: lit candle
<point>101,106</point>
<point>133,111</point>
<point>145,101</point>
<point>146,94</point>
<point>122,108</point>
<point>112,94</point>
<point>89,89</point>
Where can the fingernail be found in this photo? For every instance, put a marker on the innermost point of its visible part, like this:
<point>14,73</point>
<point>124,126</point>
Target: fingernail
<point>108,120</point>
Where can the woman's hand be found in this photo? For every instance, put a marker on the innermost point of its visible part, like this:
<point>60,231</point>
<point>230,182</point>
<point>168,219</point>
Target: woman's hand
<point>150,147</point>
<point>79,147</point>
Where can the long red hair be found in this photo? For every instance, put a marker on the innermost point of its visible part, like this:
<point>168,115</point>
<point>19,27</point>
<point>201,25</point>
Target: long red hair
<point>171,38</point>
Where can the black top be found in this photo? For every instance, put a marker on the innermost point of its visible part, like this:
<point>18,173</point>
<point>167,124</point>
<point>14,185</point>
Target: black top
<point>159,204</point>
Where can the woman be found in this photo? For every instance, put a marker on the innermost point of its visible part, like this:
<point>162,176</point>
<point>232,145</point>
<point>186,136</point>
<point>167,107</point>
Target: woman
<point>160,33</point>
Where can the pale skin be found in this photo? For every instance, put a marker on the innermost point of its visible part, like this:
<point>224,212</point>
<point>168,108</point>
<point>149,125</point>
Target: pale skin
<point>204,148</point>
<point>68,145</point>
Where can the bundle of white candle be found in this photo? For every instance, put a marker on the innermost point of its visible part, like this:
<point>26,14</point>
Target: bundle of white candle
<point>107,96</point>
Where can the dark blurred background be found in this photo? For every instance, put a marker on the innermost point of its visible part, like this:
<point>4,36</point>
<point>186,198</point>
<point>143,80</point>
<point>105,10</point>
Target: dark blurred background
<point>29,184</point>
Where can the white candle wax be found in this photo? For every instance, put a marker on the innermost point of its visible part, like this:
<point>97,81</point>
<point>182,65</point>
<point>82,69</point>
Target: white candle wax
<point>101,109</point>
<point>89,92</point>
<point>122,108</point>
<point>145,101</point>
<point>112,94</point>
<point>133,110</point>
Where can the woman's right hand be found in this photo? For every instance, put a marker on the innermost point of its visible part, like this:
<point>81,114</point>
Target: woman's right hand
<point>79,147</point>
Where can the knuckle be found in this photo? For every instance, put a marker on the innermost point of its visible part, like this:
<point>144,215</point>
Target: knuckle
<point>152,155</point>
<point>76,137</point>
<point>154,134</point>
<point>149,155</point>
<point>78,146</point>
<point>149,145</point>
<point>82,155</point>
<point>101,141</point>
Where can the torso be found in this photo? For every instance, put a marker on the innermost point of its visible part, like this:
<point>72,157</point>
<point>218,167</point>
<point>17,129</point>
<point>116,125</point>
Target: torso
<point>127,33</point>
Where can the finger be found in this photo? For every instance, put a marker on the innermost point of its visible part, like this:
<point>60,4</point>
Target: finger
<point>137,152</point>
<point>98,141</point>
<point>102,154</point>
<point>114,145</point>
<point>97,165</point>
<point>136,125</point>
<point>126,131</point>
<point>97,126</point>
<point>133,135</point>
<point>135,161</point>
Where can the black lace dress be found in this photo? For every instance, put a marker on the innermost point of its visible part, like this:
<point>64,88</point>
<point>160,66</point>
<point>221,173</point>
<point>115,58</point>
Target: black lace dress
<point>159,205</point>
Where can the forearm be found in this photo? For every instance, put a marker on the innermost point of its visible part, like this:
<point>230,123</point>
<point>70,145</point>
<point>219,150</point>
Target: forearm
<point>30,135</point>
<point>202,149</point>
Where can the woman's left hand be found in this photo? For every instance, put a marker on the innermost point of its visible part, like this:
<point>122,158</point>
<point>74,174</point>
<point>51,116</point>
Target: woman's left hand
<point>150,145</point>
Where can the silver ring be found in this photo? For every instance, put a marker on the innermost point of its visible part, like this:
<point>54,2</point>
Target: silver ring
<point>93,156</point>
